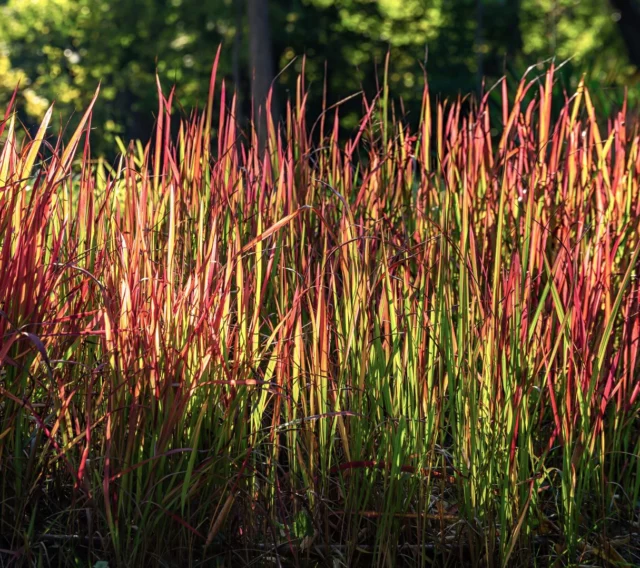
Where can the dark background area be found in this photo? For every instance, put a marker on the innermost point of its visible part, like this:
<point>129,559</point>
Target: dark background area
<point>58,50</point>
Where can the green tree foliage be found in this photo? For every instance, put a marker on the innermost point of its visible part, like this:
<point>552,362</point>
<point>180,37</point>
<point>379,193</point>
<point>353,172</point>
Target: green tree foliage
<point>60,49</point>
<point>584,31</point>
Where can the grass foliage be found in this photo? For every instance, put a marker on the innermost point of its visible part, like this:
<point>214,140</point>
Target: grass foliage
<point>416,346</point>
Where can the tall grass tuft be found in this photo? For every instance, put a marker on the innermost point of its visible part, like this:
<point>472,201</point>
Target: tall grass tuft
<point>417,346</point>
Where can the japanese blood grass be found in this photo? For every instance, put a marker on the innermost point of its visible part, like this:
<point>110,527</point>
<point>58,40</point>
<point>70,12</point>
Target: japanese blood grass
<point>417,346</point>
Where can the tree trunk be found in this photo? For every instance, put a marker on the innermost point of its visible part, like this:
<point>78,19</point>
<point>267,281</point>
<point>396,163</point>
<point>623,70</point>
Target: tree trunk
<point>629,26</point>
<point>479,45</point>
<point>237,46</point>
<point>261,63</point>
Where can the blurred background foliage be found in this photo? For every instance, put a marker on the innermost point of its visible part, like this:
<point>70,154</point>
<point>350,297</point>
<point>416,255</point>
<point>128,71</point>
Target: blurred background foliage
<point>58,50</point>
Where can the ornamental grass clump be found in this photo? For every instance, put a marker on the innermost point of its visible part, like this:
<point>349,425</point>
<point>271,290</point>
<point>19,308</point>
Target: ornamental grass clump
<point>415,346</point>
